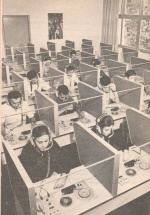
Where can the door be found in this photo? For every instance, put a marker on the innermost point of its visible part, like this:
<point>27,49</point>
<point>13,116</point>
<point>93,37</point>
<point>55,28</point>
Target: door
<point>16,30</point>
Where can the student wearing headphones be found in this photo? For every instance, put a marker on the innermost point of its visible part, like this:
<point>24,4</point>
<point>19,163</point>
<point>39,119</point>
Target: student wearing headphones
<point>70,77</point>
<point>14,113</point>
<point>47,63</point>
<point>130,75</point>
<point>66,103</point>
<point>33,83</point>
<point>74,61</point>
<point>41,157</point>
<point>110,97</point>
<point>116,138</point>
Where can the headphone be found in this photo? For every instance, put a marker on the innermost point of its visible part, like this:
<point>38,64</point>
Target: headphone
<point>32,139</point>
<point>98,129</point>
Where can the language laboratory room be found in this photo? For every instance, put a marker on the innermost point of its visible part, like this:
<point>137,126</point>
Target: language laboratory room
<point>75,107</point>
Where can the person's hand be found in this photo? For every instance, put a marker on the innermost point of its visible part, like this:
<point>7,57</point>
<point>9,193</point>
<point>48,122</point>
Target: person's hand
<point>60,182</point>
<point>70,107</point>
<point>113,87</point>
<point>39,206</point>
<point>81,114</point>
<point>8,136</point>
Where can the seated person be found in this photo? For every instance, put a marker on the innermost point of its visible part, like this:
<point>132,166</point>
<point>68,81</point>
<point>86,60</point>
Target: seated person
<point>70,77</point>
<point>74,61</point>
<point>46,154</point>
<point>33,83</point>
<point>116,138</point>
<point>42,157</point>
<point>62,96</point>
<point>14,113</point>
<point>130,75</point>
<point>47,62</point>
<point>95,62</point>
<point>110,97</point>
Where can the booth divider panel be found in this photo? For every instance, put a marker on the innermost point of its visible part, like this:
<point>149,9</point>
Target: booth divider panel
<point>31,50</point>
<point>19,185</point>
<point>47,114</point>
<point>131,97</point>
<point>139,125</point>
<point>90,78</point>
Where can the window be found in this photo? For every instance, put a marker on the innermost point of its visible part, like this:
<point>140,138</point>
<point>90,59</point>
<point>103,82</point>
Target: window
<point>135,24</point>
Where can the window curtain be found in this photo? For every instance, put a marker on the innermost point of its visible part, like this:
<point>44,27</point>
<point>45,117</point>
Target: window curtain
<point>110,21</point>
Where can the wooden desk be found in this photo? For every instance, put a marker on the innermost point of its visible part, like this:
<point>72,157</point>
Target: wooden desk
<point>102,202</point>
<point>66,126</point>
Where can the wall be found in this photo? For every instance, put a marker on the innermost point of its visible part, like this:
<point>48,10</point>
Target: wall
<point>82,19</point>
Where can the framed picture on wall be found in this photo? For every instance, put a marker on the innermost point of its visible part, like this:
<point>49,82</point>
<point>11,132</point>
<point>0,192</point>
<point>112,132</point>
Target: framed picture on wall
<point>55,26</point>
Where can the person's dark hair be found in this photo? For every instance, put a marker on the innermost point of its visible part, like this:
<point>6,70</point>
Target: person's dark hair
<point>104,121</point>
<point>46,58</point>
<point>105,80</point>
<point>63,89</point>
<point>31,74</point>
<point>15,94</point>
<point>39,131</point>
<point>129,73</point>
<point>95,62</point>
<point>72,52</point>
<point>70,68</point>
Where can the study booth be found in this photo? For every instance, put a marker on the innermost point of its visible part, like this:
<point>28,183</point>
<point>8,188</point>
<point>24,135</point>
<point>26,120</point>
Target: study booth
<point>140,63</point>
<point>104,180</point>
<point>115,68</point>
<point>44,53</point>
<point>31,50</point>
<point>89,98</point>
<point>87,48</point>
<point>52,48</point>
<point>70,44</point>
<point>36,65</point>
<point>105,46</point>
<point>87,42</point>
<point>21,60</point>
<point>128,53</point>
<point>9,53</point>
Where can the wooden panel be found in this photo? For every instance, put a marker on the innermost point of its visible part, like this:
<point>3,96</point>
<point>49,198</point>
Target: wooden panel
<point>84,67</point>
<point>146,77</point>
<point>18,83</point>
<point>44,53</point>
<point>19,56</point>
<point>131,97</point>
<point>89,105</point>
<point>90,78</point>
<point>113,63</point>
<point>62,64</point>
<point>8,52</point>
<point>84,54</point>
<point>124,84</point>
<point>88,60</point>
<point>31,50</point>
<point>142,66</point>
<point>88,42</point>
<point>136,60</point>
<point>93,149</point>
<point>4,74</point>
<point>52,48</point>
<point>117,71</point>
<point>139,125</point>
<point>20,181</point>
<point>128,53</point>
<point>70,44</point>
<point>48,112</point>
<point>35,64</point>
<point>88,49</point>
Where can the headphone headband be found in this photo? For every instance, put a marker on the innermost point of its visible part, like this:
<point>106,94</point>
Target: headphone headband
<point>99,118</point>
